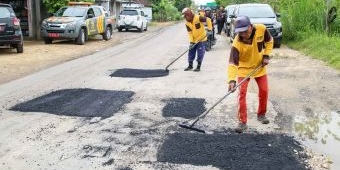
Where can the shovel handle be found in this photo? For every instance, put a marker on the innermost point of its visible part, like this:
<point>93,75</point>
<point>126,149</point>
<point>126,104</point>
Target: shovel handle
<point>229,92</point>
<point>166,68</point>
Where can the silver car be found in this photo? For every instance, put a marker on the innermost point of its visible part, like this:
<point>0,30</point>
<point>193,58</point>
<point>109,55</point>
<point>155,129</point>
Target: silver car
<point>228,11</point>
<point>262,14</point>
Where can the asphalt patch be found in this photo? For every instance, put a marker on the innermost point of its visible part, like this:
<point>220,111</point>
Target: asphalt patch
<point>183,107</point>
<point>78,102</point>
<point>138,73</point>
<point>233,151</point>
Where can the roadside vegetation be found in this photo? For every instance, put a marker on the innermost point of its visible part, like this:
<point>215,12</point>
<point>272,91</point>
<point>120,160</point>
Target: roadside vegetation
<point>53,5</point>
<point>308,26</point>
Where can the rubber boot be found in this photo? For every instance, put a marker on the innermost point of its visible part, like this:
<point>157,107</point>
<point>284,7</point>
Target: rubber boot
<point>198,68</point>
<point>189,67</point>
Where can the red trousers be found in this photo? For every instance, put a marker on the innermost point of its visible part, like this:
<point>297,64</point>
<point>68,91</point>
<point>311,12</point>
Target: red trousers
<point>262,83</point>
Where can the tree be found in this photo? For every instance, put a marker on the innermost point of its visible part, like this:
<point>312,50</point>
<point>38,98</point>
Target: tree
<point>164,10</point>
<point>53,5</point>
<point>180,4</point>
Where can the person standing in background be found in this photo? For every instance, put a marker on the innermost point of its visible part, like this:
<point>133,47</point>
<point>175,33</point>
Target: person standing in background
<point>220,19</point>
<point>197,36</point>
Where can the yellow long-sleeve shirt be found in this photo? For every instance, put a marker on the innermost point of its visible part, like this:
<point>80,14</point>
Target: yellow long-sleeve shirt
<point>196,30</point>
<point>244,57</point>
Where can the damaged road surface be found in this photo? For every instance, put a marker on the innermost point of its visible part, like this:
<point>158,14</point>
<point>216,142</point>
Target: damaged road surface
<point>116,109</point>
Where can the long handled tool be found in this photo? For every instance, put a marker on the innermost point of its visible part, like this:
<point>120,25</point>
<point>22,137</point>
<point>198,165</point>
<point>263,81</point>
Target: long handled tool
<point>166,68</point>
<point>191,126</point>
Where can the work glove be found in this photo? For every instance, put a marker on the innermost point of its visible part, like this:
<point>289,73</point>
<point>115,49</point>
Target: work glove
<point>265,60</point>
<point>232,84</point>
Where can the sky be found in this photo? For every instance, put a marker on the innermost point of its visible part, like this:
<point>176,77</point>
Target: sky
<point>203,2</point>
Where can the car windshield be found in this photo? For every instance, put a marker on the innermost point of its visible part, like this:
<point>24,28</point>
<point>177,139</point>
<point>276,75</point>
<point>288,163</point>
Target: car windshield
<point>129,12</point>
<point>257,12</point>
<point>5,12</point>
<point>70,12</point>
<point>230,10</point>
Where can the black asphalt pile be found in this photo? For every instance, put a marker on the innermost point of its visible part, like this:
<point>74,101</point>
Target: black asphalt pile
<point>137,73</point>
<point>233,151</point>
<point>78,102</point>
<point>183,107</point>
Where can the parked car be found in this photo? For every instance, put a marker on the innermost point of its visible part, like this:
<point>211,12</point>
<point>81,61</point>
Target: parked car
<point>10,30</point>
<point>259,13</point>
<point>132,18</point>
<point>77,22</point>
<point>228,10</point>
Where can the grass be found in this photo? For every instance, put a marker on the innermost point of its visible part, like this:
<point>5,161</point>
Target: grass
<point>319,46</point>
<point>304,23</point>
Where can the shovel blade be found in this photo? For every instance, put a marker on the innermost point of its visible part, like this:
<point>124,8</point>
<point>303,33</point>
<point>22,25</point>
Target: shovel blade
<point>191,128</point>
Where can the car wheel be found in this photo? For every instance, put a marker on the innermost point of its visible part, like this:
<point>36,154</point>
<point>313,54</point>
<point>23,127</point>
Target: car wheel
<point>107,34</point>
<point>48,41</point>
<point>20,48</point>
<point>277,45</point>
<point>146,27</point>
<point>81,37</point>
<point>141,28</point>
<point>120,29</point>
<point>228,32</point>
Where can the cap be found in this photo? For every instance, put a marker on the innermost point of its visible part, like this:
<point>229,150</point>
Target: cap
<point>242,23</point>
<point>185,10</point>
<point>208,9</point>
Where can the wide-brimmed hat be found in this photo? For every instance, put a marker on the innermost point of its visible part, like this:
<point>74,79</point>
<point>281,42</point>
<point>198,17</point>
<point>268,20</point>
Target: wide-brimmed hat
<point>241,24</point>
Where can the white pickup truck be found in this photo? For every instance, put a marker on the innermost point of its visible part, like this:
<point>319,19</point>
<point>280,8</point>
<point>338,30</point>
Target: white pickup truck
<point>132,18</point>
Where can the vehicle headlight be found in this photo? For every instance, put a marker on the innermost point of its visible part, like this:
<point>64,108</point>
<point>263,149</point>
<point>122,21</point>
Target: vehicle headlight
<point>277,26</point>
<point>44,23</point>
<point>71,24</point>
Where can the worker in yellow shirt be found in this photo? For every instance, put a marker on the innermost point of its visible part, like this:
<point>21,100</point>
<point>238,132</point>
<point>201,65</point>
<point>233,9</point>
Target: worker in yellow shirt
<point>197,36</point>
<point>201,12</point>
<point>251,47</point>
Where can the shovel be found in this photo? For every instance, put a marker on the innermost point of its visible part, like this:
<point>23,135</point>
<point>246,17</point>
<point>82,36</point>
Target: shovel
<point>191,126</point>
<point>166,68</point>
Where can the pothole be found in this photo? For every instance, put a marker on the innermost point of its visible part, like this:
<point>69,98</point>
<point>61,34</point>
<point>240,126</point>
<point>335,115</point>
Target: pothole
<point>78,102</point>
<point>183,107</point>
<point>233,151</point>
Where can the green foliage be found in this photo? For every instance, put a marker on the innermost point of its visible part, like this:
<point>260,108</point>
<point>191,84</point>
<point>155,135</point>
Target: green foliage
<point>163,11</point>
<point>304,26</point>
<point>53,5</point>
<point>302,16</point>
<point>228,2</point>
<point>320,46</point>
<point>180,4</point>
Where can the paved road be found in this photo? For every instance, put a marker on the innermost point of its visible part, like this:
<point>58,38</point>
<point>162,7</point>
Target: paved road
<point>77,115</point>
